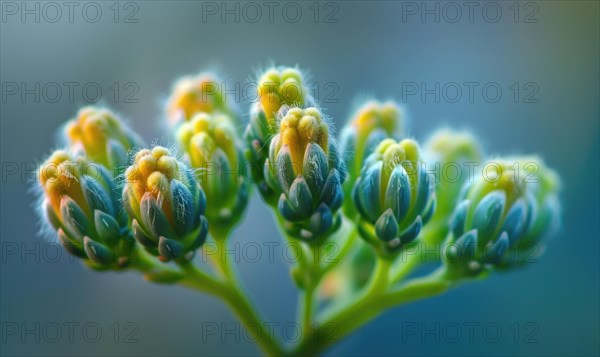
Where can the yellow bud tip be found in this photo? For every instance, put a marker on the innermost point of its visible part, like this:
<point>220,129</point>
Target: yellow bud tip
<point>206,133</point>
<point>93,128</point>
<point>132,174</point>
<point>300,127</point>
<point>405,153</point>
<point>291,74</point>
<point>271,103</point>
<point>278,87</point>
<point>501,174</point>
<point>140,154</point>
<point>374,114</point>
<point>291,91</point>
<point>147,165</point>
<point>271,77</point>
<point>394,155</point>
<point>454,145</point>
<point>195,94</point>
<point>157,183</point>
<point>159,151</point>
<point>152,171</point>
<point>201,122</point>
<point>50,169</point>
<point>411,148</point>
<point>408,147</point>
<point>169,166</point>
<point>60,175</point>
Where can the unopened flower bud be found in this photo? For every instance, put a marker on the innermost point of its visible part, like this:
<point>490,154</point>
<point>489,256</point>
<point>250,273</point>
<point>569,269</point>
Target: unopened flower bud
<point>372,123</point>
<point>79,204</point>
<point>394,196</point>
<point>543,185</point>
<point>305,169</point>
<point>498,215</point>
<point>165,204</point>
<point>210,141</point>
<point>102,137</point>
<point>453,155</point>
<point>202,93</point>
<point>278,88</point>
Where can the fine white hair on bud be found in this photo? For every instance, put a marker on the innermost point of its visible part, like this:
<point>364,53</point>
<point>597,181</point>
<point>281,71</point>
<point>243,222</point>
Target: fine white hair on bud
<point>165,204</point>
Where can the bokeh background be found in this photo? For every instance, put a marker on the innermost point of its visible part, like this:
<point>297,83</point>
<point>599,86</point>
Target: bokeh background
<point>370,48</point>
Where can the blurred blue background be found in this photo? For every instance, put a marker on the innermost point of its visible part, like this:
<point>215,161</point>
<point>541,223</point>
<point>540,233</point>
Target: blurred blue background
<point>351,49</point>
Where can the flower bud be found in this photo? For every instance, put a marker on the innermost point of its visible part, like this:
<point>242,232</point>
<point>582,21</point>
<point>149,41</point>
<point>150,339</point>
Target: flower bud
<point>165,204</point>
<point>497,216</point>
<point>80,206</point>
<point>277,88</point>
<point>304,168</point>
<point>394,196</point>
<point>202,93</point>
<point>102,137</point>
<point>453,155</point>
<point>210,142</point>
<point>543,185</point>
<point>372,123</point>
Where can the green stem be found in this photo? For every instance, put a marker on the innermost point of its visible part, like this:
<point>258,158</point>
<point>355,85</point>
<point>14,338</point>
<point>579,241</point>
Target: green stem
<point>235,297</point>
<point>380,278</point>
<point>198,280</point>
<point>372,303</point>
<point>306,310</point>
<point>434,284</point>
<point>309,282</point>
<point>223,263</point>
<point>311,263</point>
<point>246,313</point>
<point>346,248</point>
<point>144,262</point>
<point>237,301</point>
<point>407,264</point>
<point>338,323</point>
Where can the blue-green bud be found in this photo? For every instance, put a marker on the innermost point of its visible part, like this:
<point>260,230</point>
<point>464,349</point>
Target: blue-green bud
<point>305,170</point>
<point>451,154</point>
<point>394,196</point>
<point>497,222</point>
<point>372,123</point>
<point>165,204</point>
<point>278,88</point>
<point>80,206</point>
<point>544,186</point>
<point>102,138</point>
<point>212,146</point>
